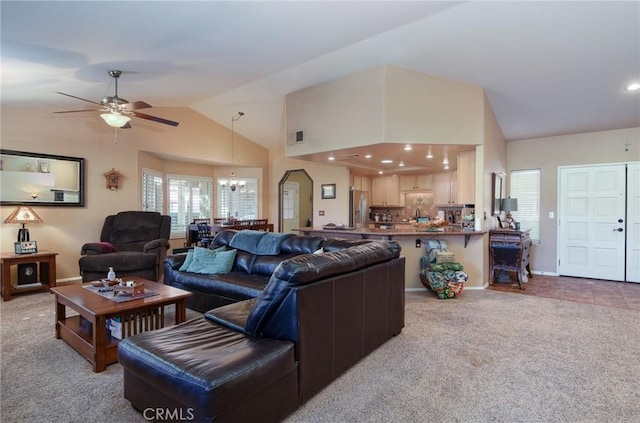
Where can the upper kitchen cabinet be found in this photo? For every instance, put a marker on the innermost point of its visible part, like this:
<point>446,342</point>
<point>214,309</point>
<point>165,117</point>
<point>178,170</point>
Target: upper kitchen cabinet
<point>361,183</point>
<point>416,183</point>
<point>445,188</point>
<point>385,191</point>
<point>467,176</point>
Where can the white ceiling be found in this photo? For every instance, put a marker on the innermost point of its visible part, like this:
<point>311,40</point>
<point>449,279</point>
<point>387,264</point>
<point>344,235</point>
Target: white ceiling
<point>549,68</point>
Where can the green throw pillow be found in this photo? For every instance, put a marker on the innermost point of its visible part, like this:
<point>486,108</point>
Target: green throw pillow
<point>189,259</point>
<point>212,264</point>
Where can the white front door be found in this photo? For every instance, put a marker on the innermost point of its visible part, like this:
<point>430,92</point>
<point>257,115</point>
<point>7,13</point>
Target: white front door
<point>633,222</point>
<point>591,209</point>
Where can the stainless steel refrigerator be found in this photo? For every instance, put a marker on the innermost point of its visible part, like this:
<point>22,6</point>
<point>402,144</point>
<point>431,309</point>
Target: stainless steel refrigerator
<point>358,208</point>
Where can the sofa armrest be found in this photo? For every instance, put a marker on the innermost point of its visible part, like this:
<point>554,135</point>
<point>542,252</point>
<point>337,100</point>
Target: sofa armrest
<point>233,316</point>
<point>157,246</point>
<point>93,248</point>
<point>175,261</point>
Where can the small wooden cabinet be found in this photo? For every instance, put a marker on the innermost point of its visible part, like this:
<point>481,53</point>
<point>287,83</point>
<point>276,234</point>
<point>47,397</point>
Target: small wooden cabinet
<point>385,191</point>
<point>509,251</point>
<point>416,183</point>
<point>46,275</point>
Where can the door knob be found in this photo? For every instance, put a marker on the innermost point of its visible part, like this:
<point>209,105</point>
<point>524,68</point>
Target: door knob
<point>617,230</point>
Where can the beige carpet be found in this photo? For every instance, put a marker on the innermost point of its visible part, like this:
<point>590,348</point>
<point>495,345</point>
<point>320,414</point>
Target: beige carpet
<point>484,357</point>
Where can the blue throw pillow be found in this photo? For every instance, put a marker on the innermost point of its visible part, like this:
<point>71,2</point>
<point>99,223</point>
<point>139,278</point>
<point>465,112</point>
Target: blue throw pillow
<point>189,259</point>
<point>212,264</point>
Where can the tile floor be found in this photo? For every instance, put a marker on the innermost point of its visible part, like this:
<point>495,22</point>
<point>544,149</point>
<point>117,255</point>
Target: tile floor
<point>580,290</point>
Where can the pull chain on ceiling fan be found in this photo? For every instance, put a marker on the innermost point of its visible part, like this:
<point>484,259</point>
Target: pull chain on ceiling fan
<point>117,110</point>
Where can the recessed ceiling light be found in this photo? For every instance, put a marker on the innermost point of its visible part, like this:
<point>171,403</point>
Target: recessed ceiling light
<point>445,161</point>
<point>331,157</point>
<point>367,156</point>
<point>633,87</point>
<point>386,161</point>
<point>408,148</point>
<point>446,167</point>
<point>401,164</point>
<point>380,172</point>
<point>429,155</point>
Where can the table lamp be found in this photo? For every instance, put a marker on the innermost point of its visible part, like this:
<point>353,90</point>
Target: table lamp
<point>509,205</point>
<point>23,215</point>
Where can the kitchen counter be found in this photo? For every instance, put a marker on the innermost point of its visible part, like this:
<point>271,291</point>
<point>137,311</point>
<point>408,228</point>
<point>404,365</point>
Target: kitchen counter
<point>404,231</point>
<point>468,247</point>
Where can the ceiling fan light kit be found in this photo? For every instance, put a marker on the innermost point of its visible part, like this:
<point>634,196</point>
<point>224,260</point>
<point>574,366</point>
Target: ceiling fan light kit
<point>115,119</point>
<point>117,110</point>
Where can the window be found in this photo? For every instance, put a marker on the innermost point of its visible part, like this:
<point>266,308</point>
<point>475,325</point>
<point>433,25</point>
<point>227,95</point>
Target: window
<point>151,190</point>
<point>241,203</point>
<point>525,186</point>
<point>189,198</point>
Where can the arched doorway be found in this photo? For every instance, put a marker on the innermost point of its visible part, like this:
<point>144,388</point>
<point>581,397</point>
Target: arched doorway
<point>295,200</point>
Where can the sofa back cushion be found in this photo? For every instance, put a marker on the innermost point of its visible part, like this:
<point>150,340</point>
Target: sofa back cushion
<point>271,313</point>
<point>290,246</point>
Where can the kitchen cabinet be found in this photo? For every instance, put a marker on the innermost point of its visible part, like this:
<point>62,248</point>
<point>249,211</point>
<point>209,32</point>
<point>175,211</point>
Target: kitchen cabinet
<point>385,191</point>
<point>416,183</point>
<point>361,183</point>
<point>467,177</point>
<point>445,188</point>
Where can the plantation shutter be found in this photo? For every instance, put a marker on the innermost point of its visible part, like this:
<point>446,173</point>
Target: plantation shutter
<point>525,186</point>
<point>151,190</point>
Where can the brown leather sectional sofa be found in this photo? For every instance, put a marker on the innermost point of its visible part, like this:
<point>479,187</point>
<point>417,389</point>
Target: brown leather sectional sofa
<point>259,359</point>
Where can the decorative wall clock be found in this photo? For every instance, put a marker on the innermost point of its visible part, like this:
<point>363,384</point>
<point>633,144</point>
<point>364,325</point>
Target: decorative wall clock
<point>113,178</point>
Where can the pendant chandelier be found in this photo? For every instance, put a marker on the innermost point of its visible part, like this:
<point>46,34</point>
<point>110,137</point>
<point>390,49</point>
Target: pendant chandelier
<point>231,183</point>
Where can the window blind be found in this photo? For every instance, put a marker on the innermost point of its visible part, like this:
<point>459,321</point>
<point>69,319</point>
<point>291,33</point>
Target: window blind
<point>525,186</point>
<point>241,203</point>
<point>189,198</point>
<point>152,190</point>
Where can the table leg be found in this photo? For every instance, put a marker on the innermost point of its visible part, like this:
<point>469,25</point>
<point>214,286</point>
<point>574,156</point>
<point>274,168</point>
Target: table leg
<point>6,282</point>
<point>181,311</point>
<point>99,344</point>
<point>61,311</point>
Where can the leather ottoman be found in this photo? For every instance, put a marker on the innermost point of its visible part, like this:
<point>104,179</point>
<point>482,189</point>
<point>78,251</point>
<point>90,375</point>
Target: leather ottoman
<point>201,371</point>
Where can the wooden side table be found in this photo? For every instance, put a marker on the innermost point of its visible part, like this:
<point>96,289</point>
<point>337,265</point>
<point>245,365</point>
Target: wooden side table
<point>46,272</point>
<point>509,251</point>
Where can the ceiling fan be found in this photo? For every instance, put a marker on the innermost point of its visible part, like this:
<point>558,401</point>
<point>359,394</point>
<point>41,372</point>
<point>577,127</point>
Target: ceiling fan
<point>117,109</point>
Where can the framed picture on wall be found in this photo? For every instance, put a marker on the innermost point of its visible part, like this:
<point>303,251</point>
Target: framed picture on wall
<point>328,191</point>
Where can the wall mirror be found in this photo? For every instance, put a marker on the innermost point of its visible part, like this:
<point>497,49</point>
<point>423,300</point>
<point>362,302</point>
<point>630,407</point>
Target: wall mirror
<point>295,200</point>
<point>497,194</point>
<point>41,179</point>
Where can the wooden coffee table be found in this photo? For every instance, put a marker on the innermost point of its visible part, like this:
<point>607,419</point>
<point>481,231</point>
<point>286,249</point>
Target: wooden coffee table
<point>87,333</point>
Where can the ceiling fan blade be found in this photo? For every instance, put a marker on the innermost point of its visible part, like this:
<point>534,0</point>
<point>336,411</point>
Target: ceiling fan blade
<point>137,105</point>
<point>79,98</point>
<point>155,119</point>
<point>75,111</point>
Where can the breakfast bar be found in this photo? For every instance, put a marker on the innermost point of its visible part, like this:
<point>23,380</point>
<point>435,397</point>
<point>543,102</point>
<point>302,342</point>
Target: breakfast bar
<point>468,246</point>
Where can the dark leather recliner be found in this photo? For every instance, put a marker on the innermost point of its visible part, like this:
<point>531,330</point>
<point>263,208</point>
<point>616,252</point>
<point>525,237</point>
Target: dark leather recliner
<point>134,243</point>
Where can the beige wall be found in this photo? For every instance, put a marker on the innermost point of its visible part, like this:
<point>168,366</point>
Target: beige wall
<point>196,140</point>
<point>384,104</point>
<point>546,154</point>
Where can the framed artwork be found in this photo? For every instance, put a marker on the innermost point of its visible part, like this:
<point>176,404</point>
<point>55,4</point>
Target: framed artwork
<point>328,191</point>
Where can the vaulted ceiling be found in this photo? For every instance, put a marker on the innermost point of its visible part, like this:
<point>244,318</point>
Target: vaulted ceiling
<point>549,68</point>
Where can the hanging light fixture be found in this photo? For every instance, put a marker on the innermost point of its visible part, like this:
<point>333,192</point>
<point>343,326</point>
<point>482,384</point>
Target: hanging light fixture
<point>231,183</point>
<point>115,119</point>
